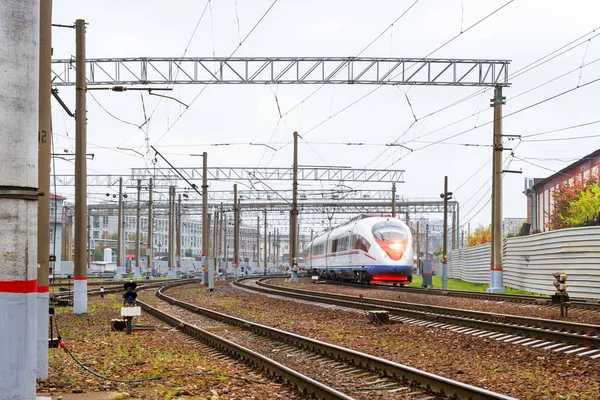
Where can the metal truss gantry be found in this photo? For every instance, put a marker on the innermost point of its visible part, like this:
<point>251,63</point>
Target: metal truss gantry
<point>252,174</point>
<point>285,70</point>
<point>306,208</point>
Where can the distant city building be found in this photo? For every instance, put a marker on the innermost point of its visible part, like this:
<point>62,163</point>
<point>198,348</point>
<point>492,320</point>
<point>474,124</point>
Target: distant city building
<point>512,226</point>
<point>57,220</point>
<point>540,202</point>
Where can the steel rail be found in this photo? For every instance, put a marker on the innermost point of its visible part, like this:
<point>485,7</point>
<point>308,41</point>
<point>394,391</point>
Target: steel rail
<point>568,332</point>
<point>575,302</point>
<point>119,288</point>
<point>432,382</point>
<point>300,382</point>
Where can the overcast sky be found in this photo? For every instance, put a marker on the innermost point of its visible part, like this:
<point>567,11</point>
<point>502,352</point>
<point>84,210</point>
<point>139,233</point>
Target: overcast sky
<point>523,31</point>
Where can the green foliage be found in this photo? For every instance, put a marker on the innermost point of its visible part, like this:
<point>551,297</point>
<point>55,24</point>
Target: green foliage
<point>585,207</point>
<point>188,252</point>
<point>481,235</point>
<point>99,254</point>
<point>563,216</point>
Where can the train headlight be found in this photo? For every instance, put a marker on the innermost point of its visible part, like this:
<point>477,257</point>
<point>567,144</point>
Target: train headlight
<point>396,246</point>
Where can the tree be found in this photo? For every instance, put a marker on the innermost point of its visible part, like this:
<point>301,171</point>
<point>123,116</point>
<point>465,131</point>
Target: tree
<point>188,252</point>
<point>113,236</point>
<point>585,208</point>
<point>564,195</point>
<point>99,254</point>
<point>481,235</point>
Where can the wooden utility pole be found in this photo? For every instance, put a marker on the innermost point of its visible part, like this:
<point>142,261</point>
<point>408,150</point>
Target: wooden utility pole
<point>80,283</point>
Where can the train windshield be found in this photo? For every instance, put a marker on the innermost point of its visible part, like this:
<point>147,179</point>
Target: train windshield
<point>392,237</point>
<point>389,231</point>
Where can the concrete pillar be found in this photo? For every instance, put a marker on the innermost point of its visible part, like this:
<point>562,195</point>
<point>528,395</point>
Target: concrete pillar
<point>19,63</point>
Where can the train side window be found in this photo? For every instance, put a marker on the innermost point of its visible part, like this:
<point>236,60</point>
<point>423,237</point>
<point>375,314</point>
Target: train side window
<point>334,245</point>
<point>344,243</point>
<point>360,243</point>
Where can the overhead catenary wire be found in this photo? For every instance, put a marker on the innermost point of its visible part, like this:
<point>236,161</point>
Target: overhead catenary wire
<point>503,117</point>
<point>206,85</point>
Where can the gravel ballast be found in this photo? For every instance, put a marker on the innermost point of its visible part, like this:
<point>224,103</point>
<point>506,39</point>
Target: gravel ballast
<point>526,310</point>
<point>514,370</point>
<point>140,355</point>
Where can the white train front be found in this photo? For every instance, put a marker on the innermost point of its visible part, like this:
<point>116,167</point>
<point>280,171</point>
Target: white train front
<point>371,249</point>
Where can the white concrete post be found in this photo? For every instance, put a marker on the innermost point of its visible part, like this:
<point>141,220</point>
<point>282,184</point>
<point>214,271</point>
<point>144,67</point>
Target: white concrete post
<point>19,63</point>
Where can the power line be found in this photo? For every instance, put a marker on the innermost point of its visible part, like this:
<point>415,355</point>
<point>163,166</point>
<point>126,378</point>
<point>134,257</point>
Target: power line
<point>220,68</point>
<point>503,117</point>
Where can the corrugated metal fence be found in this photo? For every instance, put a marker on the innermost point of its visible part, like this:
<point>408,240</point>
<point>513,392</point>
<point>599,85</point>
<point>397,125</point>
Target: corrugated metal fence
<point>530,260</point>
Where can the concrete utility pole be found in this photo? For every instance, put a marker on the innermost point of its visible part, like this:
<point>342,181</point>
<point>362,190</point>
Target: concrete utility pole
<point>294,216</point>
<point>446,196</point>
<point>178,234</point>
<point>89,238</point>
<point>257,241</point>
<point>44,155</point>
<point>150,230</point>
<point>236,238</point>
<point>496,277</point>
<point>171,236</point>
<point>265,244</point>
<point>225,241</point>
<point>80,279</point>
<point>215,234</point>
<point>277,247</point>
<point>427,241</point>
<point>418,250</point>
<point>137,226</point>
<point>394,200</point>
<point>120,226</point>
<point>453,231</point>
<point>19,57</point>
<point>205,223</point>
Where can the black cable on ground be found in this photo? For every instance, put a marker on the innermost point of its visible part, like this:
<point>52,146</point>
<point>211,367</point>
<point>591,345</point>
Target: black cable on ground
<point>62,344</point>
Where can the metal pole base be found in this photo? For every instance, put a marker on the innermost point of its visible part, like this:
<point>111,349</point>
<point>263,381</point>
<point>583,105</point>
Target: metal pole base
<point>294,276</point>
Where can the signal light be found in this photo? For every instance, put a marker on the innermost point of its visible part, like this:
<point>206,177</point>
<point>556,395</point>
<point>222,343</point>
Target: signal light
<point>130,295</point>
<point>561,282</point>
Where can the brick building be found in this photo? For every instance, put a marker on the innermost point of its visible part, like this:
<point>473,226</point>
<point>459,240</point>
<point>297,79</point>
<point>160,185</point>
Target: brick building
<point>539,190</point>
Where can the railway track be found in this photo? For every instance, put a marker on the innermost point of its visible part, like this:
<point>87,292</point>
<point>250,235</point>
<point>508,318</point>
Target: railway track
<point>118,288</point>
<point>344,373</point>
<point>579,303</point>
<point>570,337</point>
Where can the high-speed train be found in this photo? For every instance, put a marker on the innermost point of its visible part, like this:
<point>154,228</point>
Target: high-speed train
<point>368,249</point>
